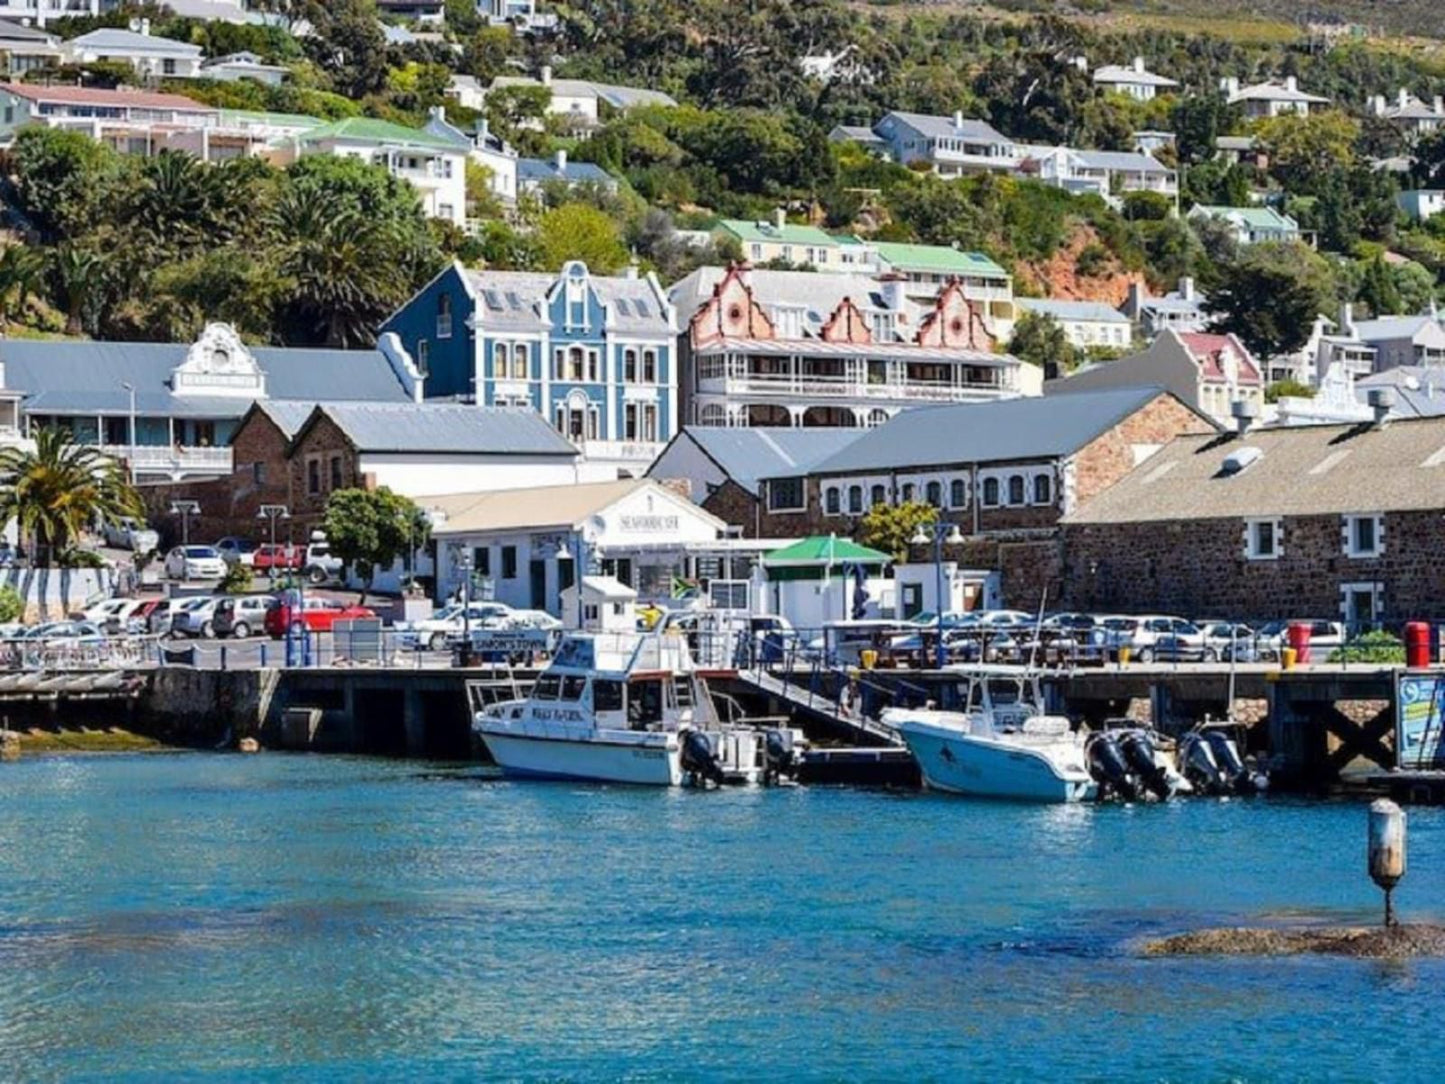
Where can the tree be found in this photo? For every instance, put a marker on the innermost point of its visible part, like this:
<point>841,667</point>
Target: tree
<point>1378,289</point>
<point>347,42</point>
<point>369,529</point>
<point>22,270</point>
<point>1288,388</point>
<point>63,179</point>
<point>1303,150</point>
<point>576,231</point>
<point>12,606</point>
<point>890,527</point>
<point>60,490</point>
<point>1039,340</point>
<point>1271,295</point>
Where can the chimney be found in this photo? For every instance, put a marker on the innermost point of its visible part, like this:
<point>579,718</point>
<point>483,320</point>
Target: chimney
<point>561,161</point>
<point>1404,98</point>
<point>1186,288</point>
<point>1137,297</point>
<point>1377,105</point>
<point>1382,401</point>
<point>632,271</point>
<point>1138,63</point>
<point>780,218</point>
<point>1230,85</point>
<point>438,112</point>
<point>1347,320</point>
<point>1245,415</point>
<point>1290,83</point>
<point>546,75</point>
<point>895,291</point>
<point>145,27</point>
<point>1438,106</point>
<point>958,118</point>
<point>483,130</point>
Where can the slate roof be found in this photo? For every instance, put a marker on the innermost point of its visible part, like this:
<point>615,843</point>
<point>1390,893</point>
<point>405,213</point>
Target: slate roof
<point>75,377</point>
<point>935,127</point>
<point>937,259</point>
<point>1005,430</point>
<point>1072,310</point>
<point>446,428</point>
<point>749,455</point>
<point>109,38</point>
<point>541,170</point>
<point>516,300</point>
<point>1303,470</point>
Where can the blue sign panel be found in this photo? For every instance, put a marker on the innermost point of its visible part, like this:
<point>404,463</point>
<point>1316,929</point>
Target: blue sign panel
<point>1420,720</point>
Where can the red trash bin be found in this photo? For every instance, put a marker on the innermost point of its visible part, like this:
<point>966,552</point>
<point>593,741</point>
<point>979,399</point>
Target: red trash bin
<point>1299,639</point>
<point>1417,644</point>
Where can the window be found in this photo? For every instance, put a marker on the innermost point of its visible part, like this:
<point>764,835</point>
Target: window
<point>649,421</point>
<point>444,314</point>
<point>629,366</point>
<point>1263,539</point>
<point>482,560</point>
<point>908,492</point>
<point>1043,489</point>
<point>1016,489</point>
<point>879,495</point>
<point>957,493</point>
<point>855,500</point>
<point>168,67</point>
<point>509,562</point>
<point>1360,605</point>
<point>990,492</point>
<point>592,356</point>
<point>606,695</point>
<point>499,361</point>
<point>313,476</point>
<point>258,473</point>
<point>574,363</point>
<point>1363,536</point>
<point>423,357</point>
<point>785,495</point>
<point>831,501</point>
<point>519,362</point>
<point>335,472</point>
<point>629,421</point>
<point>934,491</point>
<point>559,362</point>
<point>649,366</point>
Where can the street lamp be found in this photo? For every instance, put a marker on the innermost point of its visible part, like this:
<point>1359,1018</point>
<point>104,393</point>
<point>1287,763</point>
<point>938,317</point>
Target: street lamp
<point>130,448</point>
<point>464,565</point>
<point>185,509</point>
<point>273,512</point>
<point>936,533</point>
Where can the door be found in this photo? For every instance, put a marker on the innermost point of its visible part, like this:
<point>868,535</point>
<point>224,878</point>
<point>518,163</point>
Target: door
<point>1361,607</point>
<point>912,599</point>
<point>537,574</point>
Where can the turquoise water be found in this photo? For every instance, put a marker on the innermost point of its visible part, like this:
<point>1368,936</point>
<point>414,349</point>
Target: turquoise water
<point>307,918</point>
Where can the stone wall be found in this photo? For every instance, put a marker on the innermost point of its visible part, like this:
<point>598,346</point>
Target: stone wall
<point>1107,458</point>
<point>323,444</point>
<point>735,506</point>
<point>1198,569</point>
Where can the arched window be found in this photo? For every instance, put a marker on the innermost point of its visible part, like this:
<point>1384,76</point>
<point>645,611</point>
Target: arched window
<point>908,491</point>
<point>879,495</point>
<point>1043,489</point>
<point>649,366</point>
<point>876,417</point>
<point>957,493</point>
<point>990,491</point>
<point>1016,489</point>
<point>830,500</point>
<point>519,362</point>
<point>499,360</point>
<point>629,366</point>
<point>574,363</point>
<point>935,494</point>
<point>713,414</point>
<point>855,500</point>
<point>444,316</point>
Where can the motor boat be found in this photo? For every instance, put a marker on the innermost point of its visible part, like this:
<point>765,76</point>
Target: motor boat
<point>1003,744</point>
<point>1128,764</point>
<point>1209,758</point>
<point>627,707</point>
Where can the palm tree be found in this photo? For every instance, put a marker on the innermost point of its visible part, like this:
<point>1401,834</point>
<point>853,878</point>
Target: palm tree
<point>21,270</point>
<point>79,282</point>
<point>61,489</point>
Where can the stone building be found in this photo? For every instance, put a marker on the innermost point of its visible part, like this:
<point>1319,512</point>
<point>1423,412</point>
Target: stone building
<point>1004,472</point>
<point>1324,522</point>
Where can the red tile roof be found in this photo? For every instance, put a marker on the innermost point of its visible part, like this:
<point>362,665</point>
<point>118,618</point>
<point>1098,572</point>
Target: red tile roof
<point>143,99</point>
<point>1206,349</point>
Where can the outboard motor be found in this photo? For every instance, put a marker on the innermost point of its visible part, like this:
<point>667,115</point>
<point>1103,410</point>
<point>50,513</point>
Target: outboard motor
<point>1196,760</point>
<point>698,758</point>
<point>1107,766</point>
<point>1240,779</point>
<point>1138,752</point>
<point>779,753</point>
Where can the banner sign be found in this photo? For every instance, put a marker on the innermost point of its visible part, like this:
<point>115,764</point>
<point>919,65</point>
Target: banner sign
<point>1419,721</point>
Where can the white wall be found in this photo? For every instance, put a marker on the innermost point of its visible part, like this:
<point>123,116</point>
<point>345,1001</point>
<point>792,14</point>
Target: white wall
<point>438,475</point>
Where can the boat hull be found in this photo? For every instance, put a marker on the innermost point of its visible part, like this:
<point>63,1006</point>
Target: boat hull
<point>959,763</point>
<point>655,763</point>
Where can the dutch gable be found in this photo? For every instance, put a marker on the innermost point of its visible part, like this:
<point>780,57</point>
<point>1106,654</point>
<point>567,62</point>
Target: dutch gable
<point>846,325</point>
<point>954,322</point>
<point>731,313</point>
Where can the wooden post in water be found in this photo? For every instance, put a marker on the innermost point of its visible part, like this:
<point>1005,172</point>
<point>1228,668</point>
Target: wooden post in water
<point>1387,849</point>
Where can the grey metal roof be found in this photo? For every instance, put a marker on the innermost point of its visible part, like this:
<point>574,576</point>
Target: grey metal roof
<point>539,170</point>
<point>749,455</point>
<point>1006,430</point>
<point>1419,390</point>
<point>1128,74</point>
<point>111,38</point>
<point>1392,327</point>
<point>516,301</point>
<point>934,127</point>
<point>13,31</point>
<point>1120,161</point>
<point>1301,470</point>
<point>288,414</point>
<point>455,428</point>
<point>858,132</point>
<point>1072,310</point>
<point>818,295</point>
<point>86,377</point>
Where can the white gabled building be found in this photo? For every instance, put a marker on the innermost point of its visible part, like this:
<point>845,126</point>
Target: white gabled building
<point>156,57</point>
<point>1134,80</point>
<point>1273,98</point>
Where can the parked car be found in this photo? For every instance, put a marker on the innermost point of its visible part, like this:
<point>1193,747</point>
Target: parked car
<point>315,615</point>
<point>321,566</point>
<point>130,534</point>
<point>1222,636</point>
<point>81,631</point>
<point>241,616</point>
<point>112,613</point>
<point>1180,635</point>
<point>281,557</point>
<point>196,618</point>
<point>447,624</point>
<point>236,551</point>
<point>195,563</point>
<point>1270,639</point>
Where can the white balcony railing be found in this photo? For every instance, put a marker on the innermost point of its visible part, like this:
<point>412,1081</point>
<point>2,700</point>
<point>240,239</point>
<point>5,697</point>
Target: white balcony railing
<point>813,388</point>
<point>172,460</point>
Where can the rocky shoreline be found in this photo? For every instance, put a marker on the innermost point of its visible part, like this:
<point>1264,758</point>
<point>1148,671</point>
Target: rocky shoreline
<point>1362,942</point>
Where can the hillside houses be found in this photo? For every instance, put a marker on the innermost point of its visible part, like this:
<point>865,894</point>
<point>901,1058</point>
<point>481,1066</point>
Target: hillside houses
<point>1133,79</point>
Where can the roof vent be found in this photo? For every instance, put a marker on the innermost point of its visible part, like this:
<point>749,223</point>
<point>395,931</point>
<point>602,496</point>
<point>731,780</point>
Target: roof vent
<point>1382,402</point>
<point>1237,460</point>
<point>1245,413</point>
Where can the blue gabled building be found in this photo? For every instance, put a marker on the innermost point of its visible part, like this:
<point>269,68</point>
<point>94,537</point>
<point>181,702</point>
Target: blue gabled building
<point>595,355</point>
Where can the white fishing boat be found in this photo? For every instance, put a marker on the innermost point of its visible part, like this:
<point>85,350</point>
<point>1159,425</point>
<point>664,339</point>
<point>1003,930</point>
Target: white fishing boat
<point>1001,745</point>
<point>626,707</point>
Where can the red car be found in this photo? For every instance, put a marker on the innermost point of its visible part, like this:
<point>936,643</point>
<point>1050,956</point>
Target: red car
<point>291,558</point>
<point>315,615</point>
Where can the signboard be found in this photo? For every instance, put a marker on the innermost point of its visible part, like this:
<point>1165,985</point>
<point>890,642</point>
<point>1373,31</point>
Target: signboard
<point>1420,721</point>
<point>511,641</point>
<point>577,652</point>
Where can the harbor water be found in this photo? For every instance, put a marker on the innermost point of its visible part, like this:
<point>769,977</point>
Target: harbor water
<point>191,916</point>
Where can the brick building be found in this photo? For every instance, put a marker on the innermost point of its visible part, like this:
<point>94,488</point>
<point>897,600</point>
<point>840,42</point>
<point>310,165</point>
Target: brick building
<point>1326,522</point>
<point>1005,472</point>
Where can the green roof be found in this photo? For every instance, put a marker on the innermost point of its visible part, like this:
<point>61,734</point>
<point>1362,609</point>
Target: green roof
<point>937,258</point>
<point>745,230</point>
<point>824,550</point>
<point>1259,218</point>
<point>371,130</point>
<point>257,116</point>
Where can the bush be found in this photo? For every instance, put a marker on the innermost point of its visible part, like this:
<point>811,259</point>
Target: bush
<point>1375,647</point>
<point>237,580</point>
<point>75,557</point>
<point>11,604</point>
<point>1293,389</point>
